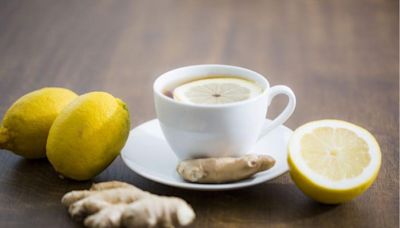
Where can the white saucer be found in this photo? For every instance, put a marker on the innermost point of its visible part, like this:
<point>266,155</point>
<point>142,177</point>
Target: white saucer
<point>147,153</point>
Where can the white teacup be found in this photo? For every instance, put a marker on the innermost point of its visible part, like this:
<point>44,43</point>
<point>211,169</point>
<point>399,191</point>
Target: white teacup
<point>231,129</point>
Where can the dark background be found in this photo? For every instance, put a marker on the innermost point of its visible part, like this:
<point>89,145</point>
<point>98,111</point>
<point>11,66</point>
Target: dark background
<point>339,57</point>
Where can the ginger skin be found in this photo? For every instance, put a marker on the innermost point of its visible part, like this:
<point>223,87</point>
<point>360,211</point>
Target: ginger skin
<point>118,204</point>
<point>226,169</point>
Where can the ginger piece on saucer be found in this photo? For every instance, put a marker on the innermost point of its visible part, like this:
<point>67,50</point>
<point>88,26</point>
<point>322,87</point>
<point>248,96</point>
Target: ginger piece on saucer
<point>224,169</point>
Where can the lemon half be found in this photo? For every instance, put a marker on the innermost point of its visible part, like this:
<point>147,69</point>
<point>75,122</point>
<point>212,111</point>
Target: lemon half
<point>333,161</point>
<point>216,91</point>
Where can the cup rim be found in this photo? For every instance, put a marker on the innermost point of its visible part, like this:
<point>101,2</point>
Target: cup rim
<point>157,91</point>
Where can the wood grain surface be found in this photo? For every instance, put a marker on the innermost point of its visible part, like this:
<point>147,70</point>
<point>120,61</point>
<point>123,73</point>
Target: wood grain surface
<point>339,57</point>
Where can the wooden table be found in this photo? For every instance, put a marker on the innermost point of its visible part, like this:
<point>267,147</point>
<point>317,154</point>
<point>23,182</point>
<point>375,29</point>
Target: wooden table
<point>340,58</point>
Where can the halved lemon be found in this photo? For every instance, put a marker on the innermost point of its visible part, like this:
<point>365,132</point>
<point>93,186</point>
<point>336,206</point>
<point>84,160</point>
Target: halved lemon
<point>216,91</point>
<point>333,161</point>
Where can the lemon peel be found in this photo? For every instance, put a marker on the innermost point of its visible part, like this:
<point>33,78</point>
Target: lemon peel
<point>3,136</point>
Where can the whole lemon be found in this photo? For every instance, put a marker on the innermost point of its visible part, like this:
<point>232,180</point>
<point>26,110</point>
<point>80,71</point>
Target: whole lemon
<point>88,135</point>
<point>26,124</point>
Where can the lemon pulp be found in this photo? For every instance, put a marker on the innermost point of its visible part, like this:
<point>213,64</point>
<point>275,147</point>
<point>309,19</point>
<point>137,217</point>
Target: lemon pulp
<point>335,153</point>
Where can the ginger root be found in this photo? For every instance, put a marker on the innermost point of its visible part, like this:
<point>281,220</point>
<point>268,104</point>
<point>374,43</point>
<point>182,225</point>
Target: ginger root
<point>118,204</point>
<point>226,169</point>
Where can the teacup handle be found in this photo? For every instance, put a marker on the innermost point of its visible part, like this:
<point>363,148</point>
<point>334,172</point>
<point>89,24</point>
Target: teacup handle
<point>286,113</point>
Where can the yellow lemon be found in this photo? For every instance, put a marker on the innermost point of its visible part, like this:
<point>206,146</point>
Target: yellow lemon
<point>333,161</point>
<point>26,124</point>
<point>87,135</point>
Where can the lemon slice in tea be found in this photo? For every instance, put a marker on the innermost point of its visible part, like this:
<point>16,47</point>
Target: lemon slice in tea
<point>216,91</point>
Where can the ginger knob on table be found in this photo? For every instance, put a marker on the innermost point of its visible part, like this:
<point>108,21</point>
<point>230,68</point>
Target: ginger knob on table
<point>118,204</point>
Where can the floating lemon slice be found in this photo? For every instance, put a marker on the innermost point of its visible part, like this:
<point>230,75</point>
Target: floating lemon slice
<point>216,91</point>
<point>333,161</point>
